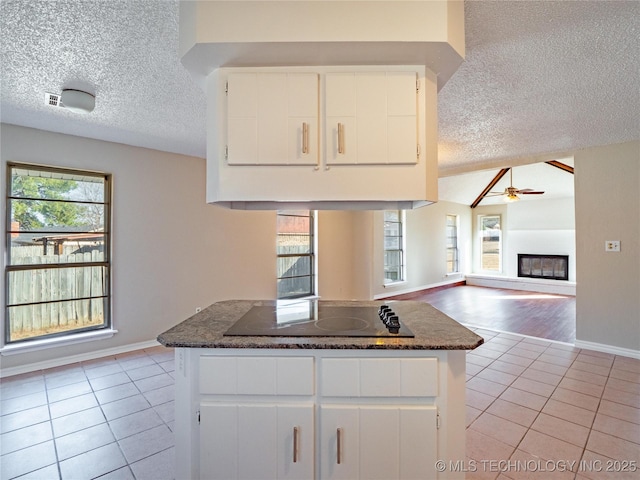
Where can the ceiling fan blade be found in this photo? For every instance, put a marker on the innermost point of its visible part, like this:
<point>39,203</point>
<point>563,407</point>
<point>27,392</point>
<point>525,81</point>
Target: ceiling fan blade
<point>529,192</point>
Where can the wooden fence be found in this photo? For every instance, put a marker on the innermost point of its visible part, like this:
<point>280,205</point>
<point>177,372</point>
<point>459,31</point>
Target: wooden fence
<point>58,286</point>
<point>294,273</point>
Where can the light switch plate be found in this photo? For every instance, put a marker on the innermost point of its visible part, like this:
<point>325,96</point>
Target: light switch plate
<point>612,246</point>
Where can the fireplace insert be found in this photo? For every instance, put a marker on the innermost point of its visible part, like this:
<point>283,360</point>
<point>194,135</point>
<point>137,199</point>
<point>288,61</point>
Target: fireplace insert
<point>553,267</point>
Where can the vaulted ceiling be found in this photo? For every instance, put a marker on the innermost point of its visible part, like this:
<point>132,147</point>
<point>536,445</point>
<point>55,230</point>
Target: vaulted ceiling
<point>465,188</point>
<point>540,80</point>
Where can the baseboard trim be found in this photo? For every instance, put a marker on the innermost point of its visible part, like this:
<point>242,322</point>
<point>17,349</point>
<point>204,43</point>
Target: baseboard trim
<point>601,347</point>
<point>481,327</point>
<point>423,289</point>
<point>82,357</point>
<point>558,287</point>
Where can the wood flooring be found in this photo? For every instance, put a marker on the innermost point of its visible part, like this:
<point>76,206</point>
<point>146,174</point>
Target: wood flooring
<point>542,315</point>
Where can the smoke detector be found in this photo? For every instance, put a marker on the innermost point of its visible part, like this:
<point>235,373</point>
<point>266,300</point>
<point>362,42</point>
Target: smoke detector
<point>75,100</point>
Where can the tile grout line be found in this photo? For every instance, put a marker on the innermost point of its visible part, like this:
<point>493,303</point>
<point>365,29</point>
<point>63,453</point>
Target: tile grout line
<point>596,412</point>
<point>100,405</point>
<point>110,429</point>
<point>117,441</point>
<point>540,412</point>
<point>530,427</point>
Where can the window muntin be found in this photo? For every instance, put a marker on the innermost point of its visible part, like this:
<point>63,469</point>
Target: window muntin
<point>295,253</point>
<point>393,246</point>
<point>58,265</point>
<point>490,243</point>
<point>452,244</point>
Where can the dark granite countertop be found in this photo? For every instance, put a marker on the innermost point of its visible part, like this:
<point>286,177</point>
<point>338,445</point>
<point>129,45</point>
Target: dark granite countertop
<point>433,330</point>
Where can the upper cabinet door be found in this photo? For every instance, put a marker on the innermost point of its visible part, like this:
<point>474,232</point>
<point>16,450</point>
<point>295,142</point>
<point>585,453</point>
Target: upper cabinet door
<point>371,118</point>
<point>272,118</point>
<point>340,118</point>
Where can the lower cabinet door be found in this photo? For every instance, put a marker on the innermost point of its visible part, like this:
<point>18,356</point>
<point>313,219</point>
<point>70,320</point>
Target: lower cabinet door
<point>378,442</point>
<point>256,441</point>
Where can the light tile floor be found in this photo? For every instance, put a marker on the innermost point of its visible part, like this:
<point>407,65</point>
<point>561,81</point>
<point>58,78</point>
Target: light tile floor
<point>535,409</point>
<point>545,410</point>
<point>110,418</point>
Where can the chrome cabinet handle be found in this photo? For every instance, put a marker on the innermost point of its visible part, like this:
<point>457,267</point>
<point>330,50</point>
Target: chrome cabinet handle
<point>340,138</point>
<point>339,445</point>
<point>305,137</point>
<point>296,435</point>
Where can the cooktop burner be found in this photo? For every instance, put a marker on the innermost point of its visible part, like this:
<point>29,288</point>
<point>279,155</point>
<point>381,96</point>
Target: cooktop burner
<point>310,318</point>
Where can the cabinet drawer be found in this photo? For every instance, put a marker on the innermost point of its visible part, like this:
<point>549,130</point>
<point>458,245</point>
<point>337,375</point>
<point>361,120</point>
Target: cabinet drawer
<point>379,377</point>
<point>256,375</point>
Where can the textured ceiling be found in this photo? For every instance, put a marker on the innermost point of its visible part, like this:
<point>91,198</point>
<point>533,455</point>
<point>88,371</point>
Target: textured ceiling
<point>124,52</point>
<point>540,78</point>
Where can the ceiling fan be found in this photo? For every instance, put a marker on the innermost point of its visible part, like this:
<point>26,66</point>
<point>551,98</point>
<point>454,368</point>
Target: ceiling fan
<point>511,193</point>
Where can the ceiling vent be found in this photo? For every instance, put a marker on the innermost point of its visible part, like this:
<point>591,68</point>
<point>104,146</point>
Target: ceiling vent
<point>52,99</point>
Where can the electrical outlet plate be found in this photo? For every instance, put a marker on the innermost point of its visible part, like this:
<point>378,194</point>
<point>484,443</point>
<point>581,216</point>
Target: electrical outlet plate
<point>612,246</point>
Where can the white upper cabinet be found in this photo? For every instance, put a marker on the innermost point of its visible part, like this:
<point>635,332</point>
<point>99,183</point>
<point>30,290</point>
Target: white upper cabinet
<point>371,118</point>
<point>322,137</point>
<point>272,119</point>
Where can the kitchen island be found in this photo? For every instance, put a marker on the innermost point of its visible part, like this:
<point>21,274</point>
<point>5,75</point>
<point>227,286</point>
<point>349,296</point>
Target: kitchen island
<point>320,407</point>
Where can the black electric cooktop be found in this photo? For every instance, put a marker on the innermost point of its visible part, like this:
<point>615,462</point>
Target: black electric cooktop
<point>310,318</point>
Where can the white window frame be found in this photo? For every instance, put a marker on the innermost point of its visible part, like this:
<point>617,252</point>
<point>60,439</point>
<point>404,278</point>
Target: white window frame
<point>72,336</point>
<point>481,236</point>
<point>455,248</point>
<point>313,257</point>
<point>402,250</point>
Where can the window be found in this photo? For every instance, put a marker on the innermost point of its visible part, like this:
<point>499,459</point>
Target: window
<point>452,244</point>
<point>295,250</point>
<point>58,239</point>
<point>393,246</point>
<point>490,242</point>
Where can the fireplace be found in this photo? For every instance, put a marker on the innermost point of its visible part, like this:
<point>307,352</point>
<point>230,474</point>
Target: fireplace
<point>552,267</point>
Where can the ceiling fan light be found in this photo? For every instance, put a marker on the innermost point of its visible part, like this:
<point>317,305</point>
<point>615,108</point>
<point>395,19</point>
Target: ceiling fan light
<point>512,197</point>
<point>78,101</point>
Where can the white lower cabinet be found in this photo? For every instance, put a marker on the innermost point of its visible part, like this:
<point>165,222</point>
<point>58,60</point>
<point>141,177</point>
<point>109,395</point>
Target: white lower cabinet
<point>327,415</point>
<point>259,442</point>
<point>256,441</point>
<point>377,442</point>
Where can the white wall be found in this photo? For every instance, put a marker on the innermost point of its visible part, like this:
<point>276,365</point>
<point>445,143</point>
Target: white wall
<point>335,255</point>
<point>540,226</point>
<point>607,181</point>
<point>171,251</point>
<point>545,226</point>
<point>425,248</point>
